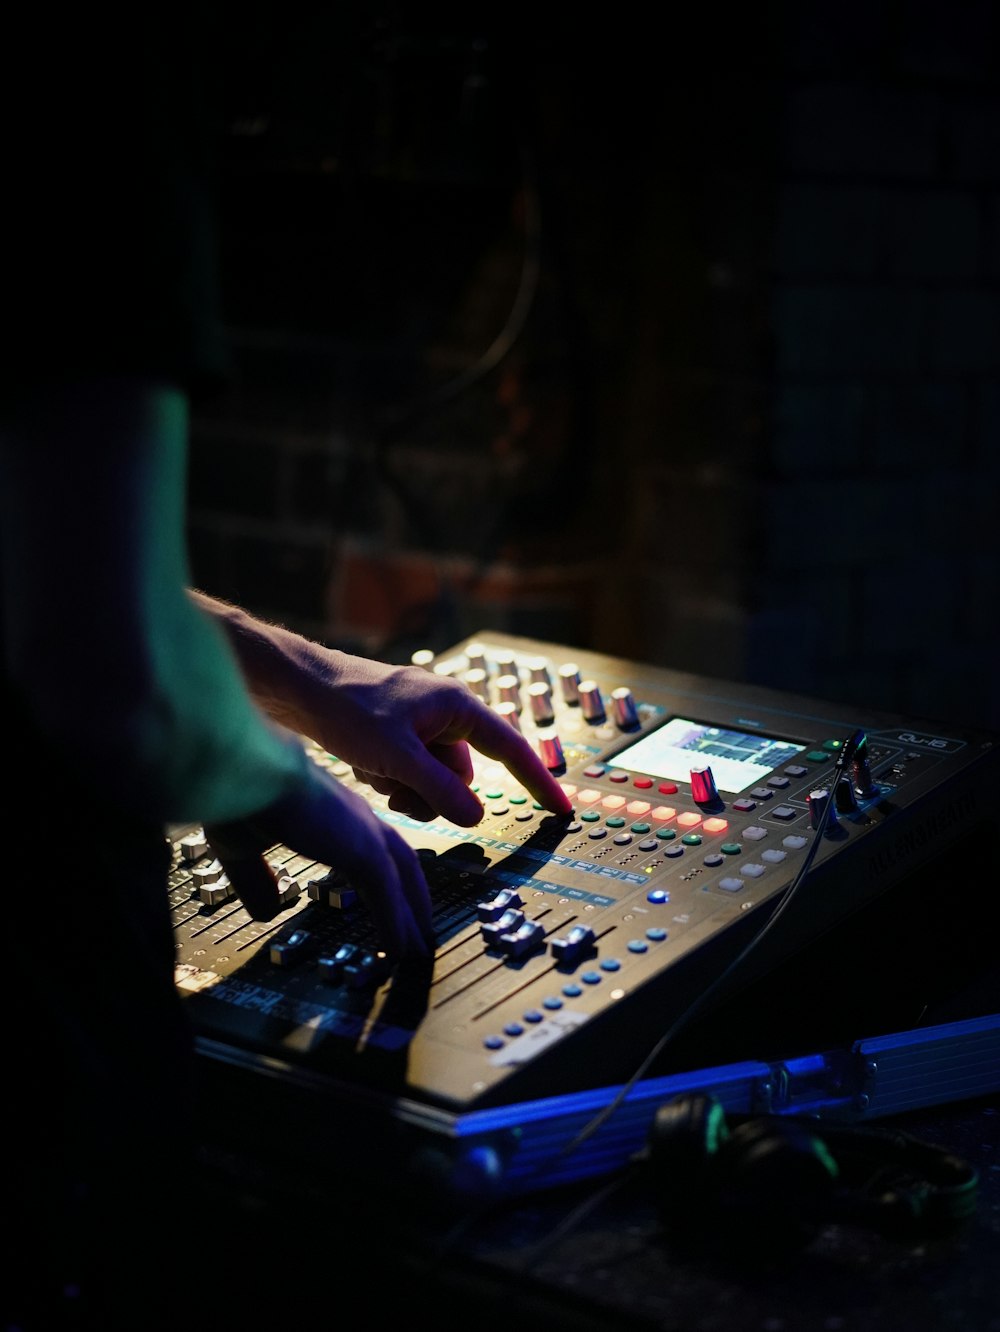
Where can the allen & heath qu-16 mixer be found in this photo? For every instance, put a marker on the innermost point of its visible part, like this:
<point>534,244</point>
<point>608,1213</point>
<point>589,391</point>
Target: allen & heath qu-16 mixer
<point>567,947</point>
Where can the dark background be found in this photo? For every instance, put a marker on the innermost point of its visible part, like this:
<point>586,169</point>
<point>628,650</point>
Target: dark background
<point>675,336</point>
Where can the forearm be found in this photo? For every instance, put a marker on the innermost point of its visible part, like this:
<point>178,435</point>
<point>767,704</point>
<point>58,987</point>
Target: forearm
<point>287,675</point>
<point>134,688</point>
<point>405,731</point>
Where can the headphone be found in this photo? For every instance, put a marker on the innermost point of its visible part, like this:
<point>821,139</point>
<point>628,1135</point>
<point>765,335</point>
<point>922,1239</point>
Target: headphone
<point>768,1185</point>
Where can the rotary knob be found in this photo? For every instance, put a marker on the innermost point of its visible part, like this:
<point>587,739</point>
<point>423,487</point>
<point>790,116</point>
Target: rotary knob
<point>509,690</point>
<point>591,703</point>
<point>846,797</point>
<point>508,711</point>
<point>703,788</point>
<point>540,698</point>
<point>538,669</point>
<point>623,703</point>
<point>821,804</point>
<point>861,771</point>
<point>551,750</point>
<point>569,681</point>
<point>505,661</point>
<point>475,655</point>
<point>478,682</point>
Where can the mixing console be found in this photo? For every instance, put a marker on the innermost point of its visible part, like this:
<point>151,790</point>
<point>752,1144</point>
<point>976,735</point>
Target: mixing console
<point>567,947</point>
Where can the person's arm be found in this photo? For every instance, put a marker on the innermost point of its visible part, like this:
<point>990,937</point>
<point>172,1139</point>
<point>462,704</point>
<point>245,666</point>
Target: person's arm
<point>132,686</point>
<point>405,732</point>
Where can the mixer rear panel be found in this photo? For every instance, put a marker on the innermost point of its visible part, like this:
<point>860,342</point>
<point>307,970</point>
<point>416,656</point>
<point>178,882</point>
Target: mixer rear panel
<point>565,948</point>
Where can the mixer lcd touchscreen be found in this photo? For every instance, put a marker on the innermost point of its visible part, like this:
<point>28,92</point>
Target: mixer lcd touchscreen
<point>738,759</point>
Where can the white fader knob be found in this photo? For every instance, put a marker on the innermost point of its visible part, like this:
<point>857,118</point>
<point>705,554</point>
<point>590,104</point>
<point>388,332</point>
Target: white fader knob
<point>625,710</point>
<point>591,703</point>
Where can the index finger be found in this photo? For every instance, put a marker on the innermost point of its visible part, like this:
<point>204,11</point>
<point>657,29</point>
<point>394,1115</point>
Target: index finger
<point>497,739</point>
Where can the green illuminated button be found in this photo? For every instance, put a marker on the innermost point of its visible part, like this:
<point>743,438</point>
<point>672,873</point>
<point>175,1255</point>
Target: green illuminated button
<point>519,800</point>
<point>616,821</point>
<point>494,795</point>
<point>640,828</point>
<point>817,756</point>
<point>833,745</point>
<point>691,839</point>
<point>731,848</point>
<point>666,834</point>
<point>590,815</point>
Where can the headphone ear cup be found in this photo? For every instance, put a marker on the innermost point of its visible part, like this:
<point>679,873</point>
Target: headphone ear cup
<point>685,1140</point>
<point>761,1188</point>
<point>901,1186</point>
<point>778,1186</point>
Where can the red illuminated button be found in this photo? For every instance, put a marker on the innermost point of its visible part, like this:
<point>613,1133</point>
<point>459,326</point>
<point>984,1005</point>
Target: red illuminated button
<point>643,783</point>
<point>667,788</point>
<point>716,825</point>
<point>663,813</point>
<point>688,819</point>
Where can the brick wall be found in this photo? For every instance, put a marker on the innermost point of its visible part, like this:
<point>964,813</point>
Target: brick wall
<point>745,286</point>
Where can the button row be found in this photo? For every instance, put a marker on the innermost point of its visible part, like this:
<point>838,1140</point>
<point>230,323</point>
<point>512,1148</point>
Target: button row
<point>571,990</point>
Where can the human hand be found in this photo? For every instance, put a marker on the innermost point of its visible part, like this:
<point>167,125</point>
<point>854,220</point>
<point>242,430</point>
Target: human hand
<point>407,733</point>
<point>323,820</point>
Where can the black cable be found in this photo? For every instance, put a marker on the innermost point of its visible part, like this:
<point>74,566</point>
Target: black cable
<point>850,747</point>
<point>607,1187</point>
